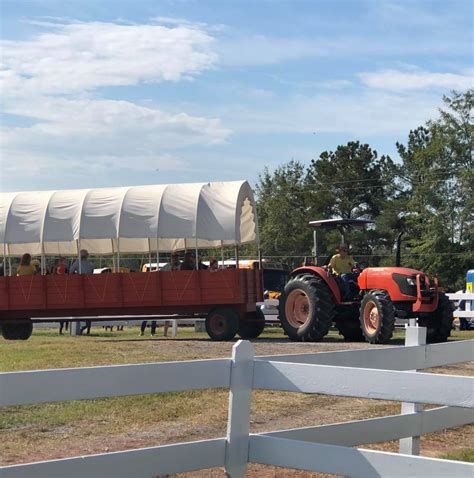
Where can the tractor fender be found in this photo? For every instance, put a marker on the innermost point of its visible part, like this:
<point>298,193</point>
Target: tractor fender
<point>324,274</point>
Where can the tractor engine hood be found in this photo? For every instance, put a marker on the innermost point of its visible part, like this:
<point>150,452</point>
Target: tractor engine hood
<point>387,278</point>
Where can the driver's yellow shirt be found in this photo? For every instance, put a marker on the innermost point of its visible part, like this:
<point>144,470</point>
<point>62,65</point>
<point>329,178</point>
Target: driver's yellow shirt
<point>341,265</point>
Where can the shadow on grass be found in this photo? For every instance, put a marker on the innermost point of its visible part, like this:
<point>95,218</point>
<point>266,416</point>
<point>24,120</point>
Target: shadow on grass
<point>264,340</point>
<point>158,339</point>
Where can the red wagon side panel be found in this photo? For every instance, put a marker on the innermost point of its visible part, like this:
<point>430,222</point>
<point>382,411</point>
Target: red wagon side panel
<point>141,289</point>
<point>180,287</point>
<point>220,287</point>
<point>64,292</point>
<point>102,291</point>
<point>26,292</point>
<point>4,296</point>
<point>180,292</point>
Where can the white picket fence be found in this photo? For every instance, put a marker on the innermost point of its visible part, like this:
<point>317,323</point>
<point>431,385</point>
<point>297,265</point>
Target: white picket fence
<point>326,448</point>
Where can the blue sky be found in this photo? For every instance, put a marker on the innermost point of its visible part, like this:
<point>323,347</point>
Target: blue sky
<point>100,93</point>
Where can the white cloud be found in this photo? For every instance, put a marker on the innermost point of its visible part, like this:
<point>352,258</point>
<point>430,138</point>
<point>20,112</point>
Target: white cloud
<point>55,80</point>
<point>87,135</point>
<point>96,118</point>
<point>85,56</point>
<point>397,80</point>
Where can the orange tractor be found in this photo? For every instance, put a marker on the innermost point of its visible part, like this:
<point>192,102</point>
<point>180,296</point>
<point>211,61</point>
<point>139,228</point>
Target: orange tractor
<point>312,302</point>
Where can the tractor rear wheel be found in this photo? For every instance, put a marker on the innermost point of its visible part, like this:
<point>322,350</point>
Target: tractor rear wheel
<point>251,325</point>
<point>222,323</point>
<point>348,324</point>
<point>377,317</point>
<point>306,308</point>
<point>440,322</point>
<point>20,330</point>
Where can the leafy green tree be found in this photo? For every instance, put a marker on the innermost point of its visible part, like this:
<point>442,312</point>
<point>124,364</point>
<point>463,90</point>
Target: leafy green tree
<point>351,182</point>
<point>429,197</point>
<point>438,198</point>
<point>282,212</point>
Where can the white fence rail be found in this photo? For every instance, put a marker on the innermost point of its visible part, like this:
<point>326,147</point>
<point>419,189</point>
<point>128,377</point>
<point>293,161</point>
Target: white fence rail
<point>467,298</point>
<point>323,448</point>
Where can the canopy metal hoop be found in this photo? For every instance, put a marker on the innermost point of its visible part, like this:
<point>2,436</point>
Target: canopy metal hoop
<point>196,265</point>
<point>79,259</point>
<point>4,259</point>
<point>149,255</point>
<point>157,255</point>
<point>236,257</point>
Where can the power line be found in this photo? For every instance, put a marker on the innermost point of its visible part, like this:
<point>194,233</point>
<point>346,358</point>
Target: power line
<point>373,186</point>
<point>375,254</point>
<point>434,173</point>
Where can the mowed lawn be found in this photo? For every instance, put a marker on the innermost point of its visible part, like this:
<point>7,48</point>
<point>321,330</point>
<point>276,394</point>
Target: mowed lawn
<point>31,433</point>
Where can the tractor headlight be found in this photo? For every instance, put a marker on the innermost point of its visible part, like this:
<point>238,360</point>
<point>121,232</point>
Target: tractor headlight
<point>411,281</point>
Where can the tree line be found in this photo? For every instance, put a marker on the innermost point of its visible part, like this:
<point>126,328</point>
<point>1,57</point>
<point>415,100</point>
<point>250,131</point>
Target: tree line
<point>427,197</point>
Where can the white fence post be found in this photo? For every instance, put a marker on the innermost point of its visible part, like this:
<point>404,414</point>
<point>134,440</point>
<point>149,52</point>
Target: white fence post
<point>414,336</point>
<point>238,424</point>
<point>174,328</point>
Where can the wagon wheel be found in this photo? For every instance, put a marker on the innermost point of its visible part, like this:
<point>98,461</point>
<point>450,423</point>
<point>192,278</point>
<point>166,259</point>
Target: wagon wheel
<point>17,330</point>
<point>251,325</point>
<point>222,323</point>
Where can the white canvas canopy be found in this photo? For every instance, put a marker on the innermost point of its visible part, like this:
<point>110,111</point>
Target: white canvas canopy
<point>136,219</point>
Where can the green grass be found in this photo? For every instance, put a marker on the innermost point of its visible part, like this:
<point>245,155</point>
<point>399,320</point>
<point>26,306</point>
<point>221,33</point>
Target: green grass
<point>465,454</point>
<point>108,413</point>
<point>46,349</point>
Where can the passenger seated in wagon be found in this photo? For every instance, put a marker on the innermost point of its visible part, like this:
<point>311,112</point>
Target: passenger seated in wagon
<point>174,264</point>
<point>26,268</point>
<point>86,267</point>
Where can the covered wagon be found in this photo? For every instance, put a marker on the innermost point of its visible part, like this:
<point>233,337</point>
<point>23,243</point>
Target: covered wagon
<point>148,220</point>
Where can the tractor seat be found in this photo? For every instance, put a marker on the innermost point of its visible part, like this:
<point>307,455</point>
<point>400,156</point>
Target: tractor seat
<point>353,289</point>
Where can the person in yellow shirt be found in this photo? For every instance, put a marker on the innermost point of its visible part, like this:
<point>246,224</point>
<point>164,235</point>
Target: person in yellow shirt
<point>26,268</point>
<point>342,265</point>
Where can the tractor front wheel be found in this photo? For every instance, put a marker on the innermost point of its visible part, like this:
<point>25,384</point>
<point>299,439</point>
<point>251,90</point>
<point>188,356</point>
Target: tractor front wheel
<point>222,323</point>
<point>251,325</point>
<point>306,308</point>
<point>377,317</point>
<point>439,323</point>
<point>18,330</point>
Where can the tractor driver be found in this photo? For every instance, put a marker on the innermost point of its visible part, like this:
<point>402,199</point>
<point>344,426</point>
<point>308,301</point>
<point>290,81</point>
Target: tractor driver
<point>342,266</point>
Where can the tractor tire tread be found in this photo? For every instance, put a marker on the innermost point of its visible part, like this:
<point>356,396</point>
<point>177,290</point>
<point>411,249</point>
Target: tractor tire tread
<point>387,318</point>
<point>440,322</point>
<point>323,309</point>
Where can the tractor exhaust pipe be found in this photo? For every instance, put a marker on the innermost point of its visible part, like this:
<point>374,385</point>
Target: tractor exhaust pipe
<point>398,258</point>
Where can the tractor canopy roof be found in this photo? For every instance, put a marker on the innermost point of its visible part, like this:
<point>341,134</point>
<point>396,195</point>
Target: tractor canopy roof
<point>334,223</point>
